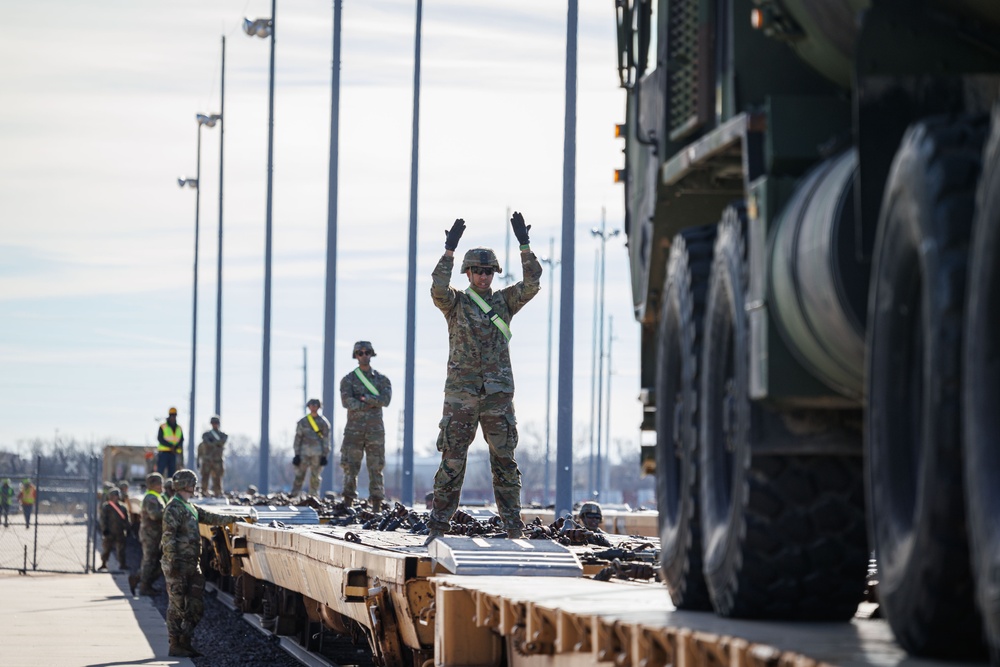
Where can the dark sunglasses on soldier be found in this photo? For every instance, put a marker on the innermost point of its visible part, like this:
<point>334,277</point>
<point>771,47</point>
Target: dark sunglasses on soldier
<point>482,270</point>
<point>366,353</point>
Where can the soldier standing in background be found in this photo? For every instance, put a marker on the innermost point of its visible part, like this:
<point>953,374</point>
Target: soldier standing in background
<point>364,392</point>
<point>479,388</point>
<point>590,516</point>
<point>168,489</point>
<point>123,486</point>
<point>181,562</point>
<point>27,497</point>
<point>311,447</point>
<point>171,443</point>
<point>211,458</point>
<point>6,495</point>
<point>150,533</point>
<point>114,522</point>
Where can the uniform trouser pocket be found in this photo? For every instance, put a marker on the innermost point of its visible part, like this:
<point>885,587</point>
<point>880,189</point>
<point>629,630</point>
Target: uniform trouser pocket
<point>442,441</point>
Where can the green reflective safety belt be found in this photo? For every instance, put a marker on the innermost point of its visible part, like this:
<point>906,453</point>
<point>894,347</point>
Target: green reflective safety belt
<point>188,507</point>
<point>366,382</point>
<point>486,308</point>
<point>158,496</point>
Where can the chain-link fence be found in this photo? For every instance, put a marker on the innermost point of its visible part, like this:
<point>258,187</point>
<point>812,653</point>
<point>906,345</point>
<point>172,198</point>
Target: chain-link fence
<point>55,532</point>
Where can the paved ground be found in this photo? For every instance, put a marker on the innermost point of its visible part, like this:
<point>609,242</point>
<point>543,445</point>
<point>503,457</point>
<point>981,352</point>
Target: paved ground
<point>62,543</point>
<point>82,620</point>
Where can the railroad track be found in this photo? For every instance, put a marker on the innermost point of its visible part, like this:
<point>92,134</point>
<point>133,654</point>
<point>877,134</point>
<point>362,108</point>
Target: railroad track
<point>294,649</point>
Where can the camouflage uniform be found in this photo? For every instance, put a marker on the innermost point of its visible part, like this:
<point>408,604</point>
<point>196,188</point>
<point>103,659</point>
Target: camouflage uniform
<point>133,520</point>
<point>210,460</point>
<point>114,523</point>
<point>479,389</point>
<point>364,434</point>
<point>310,447</point>
<point>150,534</point>
<point>181,546</point>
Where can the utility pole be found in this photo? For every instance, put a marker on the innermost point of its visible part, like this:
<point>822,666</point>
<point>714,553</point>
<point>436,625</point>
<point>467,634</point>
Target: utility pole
<point>607,419</point>
<point>604,236</point>
<point>591,469</point>
<point>551,262</point>
<point>508,276</point>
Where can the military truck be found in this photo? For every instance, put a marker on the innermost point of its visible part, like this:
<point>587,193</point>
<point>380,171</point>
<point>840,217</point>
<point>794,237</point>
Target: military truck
<point>812,195</point>
<point>130,463</point>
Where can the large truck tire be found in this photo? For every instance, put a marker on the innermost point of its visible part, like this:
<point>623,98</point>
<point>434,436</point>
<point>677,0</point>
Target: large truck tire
<point>914,426</point>
<point>982,393</point>
<point>783,533</point>
<point>678,350</point>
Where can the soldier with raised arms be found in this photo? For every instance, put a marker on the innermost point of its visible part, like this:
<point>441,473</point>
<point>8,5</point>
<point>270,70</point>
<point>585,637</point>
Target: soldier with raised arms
<point>479,389</point>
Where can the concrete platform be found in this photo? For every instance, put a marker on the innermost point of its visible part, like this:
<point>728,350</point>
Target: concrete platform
<point>79,620</point>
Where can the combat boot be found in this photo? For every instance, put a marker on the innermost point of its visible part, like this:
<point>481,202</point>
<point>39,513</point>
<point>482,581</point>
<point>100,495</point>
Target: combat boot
<point>146,589</point>
<point>179,650</point>
<point>433,535</point>
<point>133,579</point>
<point>515,533</point>
<point>186,642</point>
<point>376,505</point>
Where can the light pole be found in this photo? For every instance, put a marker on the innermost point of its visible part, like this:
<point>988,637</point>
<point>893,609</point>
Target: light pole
<point>209,120</point>
<point>564,428</point>
<point>604,236</point>
<point>264,28</point>
<point>406,492</point>
<point>552,263</point>
<point>330,305</point>
<point>218,279</point>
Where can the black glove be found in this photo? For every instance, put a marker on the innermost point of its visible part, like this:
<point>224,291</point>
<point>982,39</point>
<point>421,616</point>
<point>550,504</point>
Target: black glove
<point>453,235</point>
<point>520,230</point>
<point>106,533</point>
<point>296,460</point>
<point>322,460</point>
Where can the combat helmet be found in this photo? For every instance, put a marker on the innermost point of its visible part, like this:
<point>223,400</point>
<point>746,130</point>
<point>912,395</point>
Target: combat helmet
<point>591,508</point>
<point>362,345</point>
<point>154,478</point>
<point>185,480</point>
<point>480,257</point>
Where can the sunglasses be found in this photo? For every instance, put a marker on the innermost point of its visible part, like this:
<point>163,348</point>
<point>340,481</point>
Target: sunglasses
<point>364,353</point>
<point>482,270</point>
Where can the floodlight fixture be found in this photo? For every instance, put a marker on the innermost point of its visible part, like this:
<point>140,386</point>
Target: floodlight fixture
<point>190,182</point>
<point>208,120</point>
<point>258,27</point>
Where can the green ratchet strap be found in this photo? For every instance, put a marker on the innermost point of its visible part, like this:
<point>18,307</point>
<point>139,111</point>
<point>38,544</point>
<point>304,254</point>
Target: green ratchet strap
<point>486,308</point>
<point>366,382</point>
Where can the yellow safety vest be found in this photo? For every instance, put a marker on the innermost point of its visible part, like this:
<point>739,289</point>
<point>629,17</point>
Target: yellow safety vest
<point>28,495</point>
<point>171,435</point>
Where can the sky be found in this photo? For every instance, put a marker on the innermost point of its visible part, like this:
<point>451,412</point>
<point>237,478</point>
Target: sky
<point>97,240</point>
